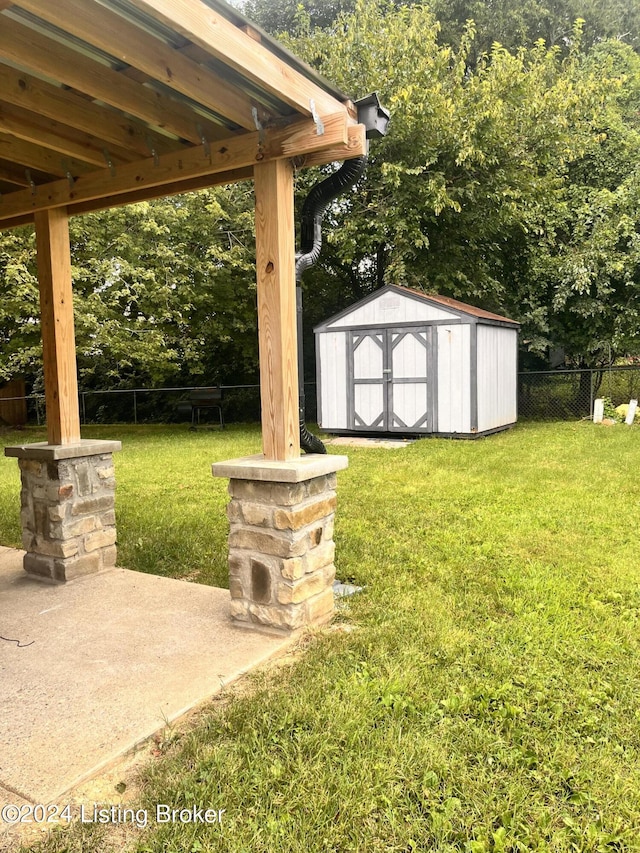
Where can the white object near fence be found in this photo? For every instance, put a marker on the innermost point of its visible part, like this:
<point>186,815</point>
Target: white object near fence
<point>633,405</point>
<point>400,361</point>
<point>598,410</point>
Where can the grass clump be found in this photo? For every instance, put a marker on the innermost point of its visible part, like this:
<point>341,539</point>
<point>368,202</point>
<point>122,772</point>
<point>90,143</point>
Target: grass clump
<point>487,699</point>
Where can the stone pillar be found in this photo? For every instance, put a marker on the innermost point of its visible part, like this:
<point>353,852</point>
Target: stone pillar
<point>68,507</point>
<point>281,546</point>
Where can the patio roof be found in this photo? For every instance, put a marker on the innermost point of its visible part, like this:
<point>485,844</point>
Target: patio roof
<point>105,102</point>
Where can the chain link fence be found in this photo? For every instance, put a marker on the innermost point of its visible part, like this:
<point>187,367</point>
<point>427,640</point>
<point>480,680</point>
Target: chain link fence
<point>560,395</point>
<point>240,404</point>
<point>542,395</point>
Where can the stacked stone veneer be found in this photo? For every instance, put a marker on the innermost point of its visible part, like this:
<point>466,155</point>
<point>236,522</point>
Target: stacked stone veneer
<point>281,550</point>
<point>68,513</point>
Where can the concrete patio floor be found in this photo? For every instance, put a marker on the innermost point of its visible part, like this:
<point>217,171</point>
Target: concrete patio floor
<point>92,668</point>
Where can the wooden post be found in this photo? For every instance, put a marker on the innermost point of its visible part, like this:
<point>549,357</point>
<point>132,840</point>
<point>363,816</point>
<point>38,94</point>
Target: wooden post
<point>58,340</point>
<point>275,262</point>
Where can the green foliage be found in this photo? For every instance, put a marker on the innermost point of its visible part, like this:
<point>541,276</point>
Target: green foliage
<point>20,343</point>
<point>164,291</point>
<point>623,410</point>
<point>582,277</point>
<point>461,195</point>
<point>609,410</point>
<point>281,16</point>
<point>514,24</point>
<point>510,23</point>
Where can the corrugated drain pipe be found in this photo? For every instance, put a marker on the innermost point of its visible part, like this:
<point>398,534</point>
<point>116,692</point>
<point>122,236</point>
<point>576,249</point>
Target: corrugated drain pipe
<point>310,244</point>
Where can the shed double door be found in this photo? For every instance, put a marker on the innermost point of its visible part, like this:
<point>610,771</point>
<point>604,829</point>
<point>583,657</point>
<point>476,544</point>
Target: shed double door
<point>391,389</point>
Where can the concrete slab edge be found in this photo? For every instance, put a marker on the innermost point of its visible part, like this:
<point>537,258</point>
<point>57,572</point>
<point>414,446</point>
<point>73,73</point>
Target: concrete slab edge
<point>140,740</point>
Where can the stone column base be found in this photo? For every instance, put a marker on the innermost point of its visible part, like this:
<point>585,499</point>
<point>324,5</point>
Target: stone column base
<point>281,546</point>
<point>68,507</point>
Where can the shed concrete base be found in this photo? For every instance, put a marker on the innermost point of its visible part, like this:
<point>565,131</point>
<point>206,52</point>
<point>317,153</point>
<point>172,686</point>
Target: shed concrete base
<point>100,665</point>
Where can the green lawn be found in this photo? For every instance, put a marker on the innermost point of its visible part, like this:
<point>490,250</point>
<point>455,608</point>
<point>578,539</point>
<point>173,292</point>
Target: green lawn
<point>488,698</point>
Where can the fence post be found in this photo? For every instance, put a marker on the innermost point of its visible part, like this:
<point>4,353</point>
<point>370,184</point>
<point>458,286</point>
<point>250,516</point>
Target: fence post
<point>591,394</point>
<point>135,407</point>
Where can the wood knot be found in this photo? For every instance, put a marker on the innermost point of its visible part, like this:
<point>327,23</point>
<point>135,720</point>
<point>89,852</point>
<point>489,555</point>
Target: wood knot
<point>269,267</point>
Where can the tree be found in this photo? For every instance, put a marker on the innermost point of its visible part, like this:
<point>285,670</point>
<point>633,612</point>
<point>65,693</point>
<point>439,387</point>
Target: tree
<point>280,16</point>
<point>164,291</point>
<point>20,344</point>
<point>475,165</point>
<point>511,23</point>
<point>523,23</point>
<point>581,279</point>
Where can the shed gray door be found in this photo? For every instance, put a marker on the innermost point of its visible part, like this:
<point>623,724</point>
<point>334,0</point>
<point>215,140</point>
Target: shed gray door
<point>390,385</point>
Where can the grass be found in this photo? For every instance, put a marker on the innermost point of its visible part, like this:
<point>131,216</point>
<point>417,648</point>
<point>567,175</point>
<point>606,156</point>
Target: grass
<point>488,698</point>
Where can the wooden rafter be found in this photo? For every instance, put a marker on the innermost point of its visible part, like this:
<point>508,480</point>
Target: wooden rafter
<point>31,49</point>
<point>207,28</point>
<point>96,25</point>
<point>34,157</point>
<point>54,102</point>
<point>109,102</point>
<point>57,136</point>
<point>10,174</point>
<point>189,185</point>
<point>235,153</point>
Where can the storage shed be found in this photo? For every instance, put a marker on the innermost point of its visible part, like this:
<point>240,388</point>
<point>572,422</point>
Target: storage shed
<point>400,361</point>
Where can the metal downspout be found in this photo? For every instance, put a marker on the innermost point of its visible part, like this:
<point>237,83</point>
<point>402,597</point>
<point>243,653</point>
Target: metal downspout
<point>375,118</point>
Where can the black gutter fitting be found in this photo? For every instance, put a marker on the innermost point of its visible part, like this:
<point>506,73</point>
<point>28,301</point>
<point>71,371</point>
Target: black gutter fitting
<point>375,118</point>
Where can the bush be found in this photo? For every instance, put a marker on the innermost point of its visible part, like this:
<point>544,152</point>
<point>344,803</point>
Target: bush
<point>621,413</point>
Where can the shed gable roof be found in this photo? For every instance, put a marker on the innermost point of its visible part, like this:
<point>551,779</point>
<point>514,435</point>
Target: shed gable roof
<point>456,305</point>
<point>443,308</point>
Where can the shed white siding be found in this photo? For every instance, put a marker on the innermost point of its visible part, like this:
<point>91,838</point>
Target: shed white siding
<point>332,379</point>
<point>391,308</point>
<point>454,379</point>
<point>401,361</point>
<point>497,377</point>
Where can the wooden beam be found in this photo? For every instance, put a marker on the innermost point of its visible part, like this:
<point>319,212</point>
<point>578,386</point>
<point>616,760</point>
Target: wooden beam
<point>32,156</point>
<point>58,341</point>
<point>205,27</point>
<point>278,348</point>
<point>17,222</point>
<point>356,147</point>
<point>187,186</point>
<point>236,153</point>
<point>117,37</point>
<point>190,185</point>
<point>30,49</point>
<point>57,136</point>
<point>103,123</point>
